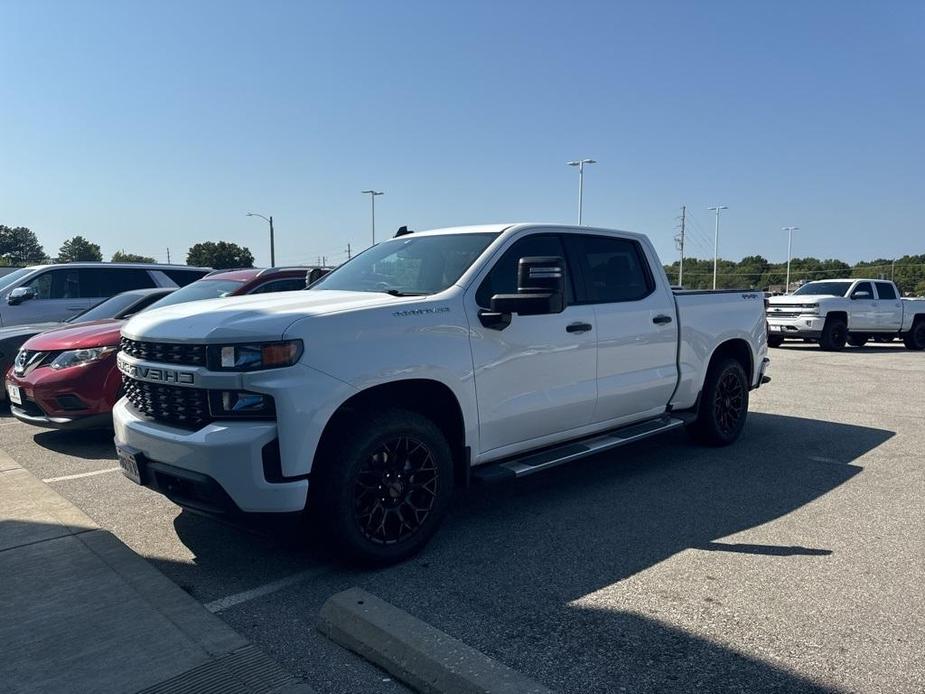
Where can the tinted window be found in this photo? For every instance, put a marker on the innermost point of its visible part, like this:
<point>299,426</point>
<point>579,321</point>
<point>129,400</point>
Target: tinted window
<point>612,269</point>
<point>109,281</point>
<point>864,287</point>
<point>56,284</point>
<point>503,276</point>
<point>184,277</point>
<point>108,308</point>
<point>206,289</point>
<point>289,284</point>
<point>885,290</point>
<point>824,288</point>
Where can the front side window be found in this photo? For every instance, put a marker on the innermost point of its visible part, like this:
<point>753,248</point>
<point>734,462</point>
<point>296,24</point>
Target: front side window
<point>502,279</point>
<point>612,269</point>
<point>864,287</point>
<point>56,284</point>
<point>885,291</point>
<point>409,265</point>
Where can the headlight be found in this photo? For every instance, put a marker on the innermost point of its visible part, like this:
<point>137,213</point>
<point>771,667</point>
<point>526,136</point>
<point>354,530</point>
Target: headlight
<point>254,357</point>
<point>80,357</point>
<point>810,308</point>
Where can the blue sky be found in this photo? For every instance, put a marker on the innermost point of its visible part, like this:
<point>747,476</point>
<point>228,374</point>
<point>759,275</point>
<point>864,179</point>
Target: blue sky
<point>148,125</point>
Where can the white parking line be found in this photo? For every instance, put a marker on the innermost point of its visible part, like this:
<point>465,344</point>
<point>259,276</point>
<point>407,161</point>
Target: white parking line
<point>82,474</point>
<point>260,591</point>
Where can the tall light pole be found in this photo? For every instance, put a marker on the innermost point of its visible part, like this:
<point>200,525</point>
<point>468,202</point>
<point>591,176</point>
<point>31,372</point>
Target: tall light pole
<point>580,163</point>
<point>272,245</point>
<point>372,199</point>
<point>789,231</point>
<point>716,209</point>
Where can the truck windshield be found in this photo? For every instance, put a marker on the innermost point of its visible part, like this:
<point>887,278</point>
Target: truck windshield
<point>409,265</point>
<point>824,288</point>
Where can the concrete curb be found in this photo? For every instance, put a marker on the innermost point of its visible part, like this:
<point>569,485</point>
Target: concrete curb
<point>416,653</point>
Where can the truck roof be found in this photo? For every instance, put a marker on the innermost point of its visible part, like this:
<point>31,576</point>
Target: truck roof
<point>512,226</point>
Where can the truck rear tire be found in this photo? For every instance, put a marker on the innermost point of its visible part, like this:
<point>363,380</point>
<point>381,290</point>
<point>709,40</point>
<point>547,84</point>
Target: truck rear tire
<point>915,338</point>
<point>858,340</point>
<point>382,486</point>
<point>774,341</point>
<point>834,335</point>
<point>723,404</point>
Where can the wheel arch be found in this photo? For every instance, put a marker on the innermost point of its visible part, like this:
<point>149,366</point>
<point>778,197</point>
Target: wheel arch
<point>738,349</point>
<point>837,314</point>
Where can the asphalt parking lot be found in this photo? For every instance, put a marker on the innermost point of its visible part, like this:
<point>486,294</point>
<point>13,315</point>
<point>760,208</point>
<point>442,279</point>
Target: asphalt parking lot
<point>792,560</point>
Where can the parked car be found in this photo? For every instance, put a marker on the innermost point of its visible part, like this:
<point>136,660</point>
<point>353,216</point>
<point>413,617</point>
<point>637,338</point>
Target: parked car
<point>43,293</point>
<point>120,307</point>
<point>67,378</point>
<point>846,311</point>
<point>488,352</point>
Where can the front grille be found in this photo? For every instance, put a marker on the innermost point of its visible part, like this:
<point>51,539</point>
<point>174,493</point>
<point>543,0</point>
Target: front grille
<point>184,407</point>
<point>165,352</point>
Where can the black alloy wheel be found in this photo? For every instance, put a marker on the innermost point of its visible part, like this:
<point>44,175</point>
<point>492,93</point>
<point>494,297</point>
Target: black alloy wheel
<point>915,338</point>
<point>729,402</point>
<point>395,490</point>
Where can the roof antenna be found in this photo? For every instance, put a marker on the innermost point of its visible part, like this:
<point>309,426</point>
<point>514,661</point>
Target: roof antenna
<point>403,231</point>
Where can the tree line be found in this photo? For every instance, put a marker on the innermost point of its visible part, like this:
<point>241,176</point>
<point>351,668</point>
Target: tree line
<point>19,246</point>
<point>756,272</point>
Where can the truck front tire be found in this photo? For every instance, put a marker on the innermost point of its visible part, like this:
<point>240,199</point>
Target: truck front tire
<point>382,485</point>
<point>915,338</point>
<point>834,335</point>
<point>723,404</point>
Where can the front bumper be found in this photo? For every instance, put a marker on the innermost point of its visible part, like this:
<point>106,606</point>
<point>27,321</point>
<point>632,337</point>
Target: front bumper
<point>217,469</point>
<point>795,326</point>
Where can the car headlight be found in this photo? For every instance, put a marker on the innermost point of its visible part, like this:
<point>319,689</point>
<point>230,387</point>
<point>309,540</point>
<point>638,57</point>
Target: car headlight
<point>810,308</point>
<point>254,356</point>
<point>81,357</point>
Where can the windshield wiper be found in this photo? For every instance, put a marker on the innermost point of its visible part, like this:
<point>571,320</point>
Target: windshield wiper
<point>398,292</point>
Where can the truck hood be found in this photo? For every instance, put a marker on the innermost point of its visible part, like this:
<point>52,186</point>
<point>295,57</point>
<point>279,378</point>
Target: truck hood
<point>801,299</point>
<point>260,317</point>
<point>98,333</point>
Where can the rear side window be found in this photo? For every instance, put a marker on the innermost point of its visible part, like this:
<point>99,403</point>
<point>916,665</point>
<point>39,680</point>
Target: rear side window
<point>886,291</point>
<point>184,277</point>
<point>612,269</point>
<point>503,276</point>
<point>56,284</point>
<point>289,284</point>
<point>105,282</point>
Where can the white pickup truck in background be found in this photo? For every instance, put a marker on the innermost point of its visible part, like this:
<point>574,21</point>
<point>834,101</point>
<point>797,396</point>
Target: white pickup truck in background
<point>431,359</point>
<point>846,311</point>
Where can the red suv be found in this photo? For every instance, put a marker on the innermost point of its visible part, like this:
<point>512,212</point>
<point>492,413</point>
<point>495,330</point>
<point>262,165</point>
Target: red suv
<point>67,378</point>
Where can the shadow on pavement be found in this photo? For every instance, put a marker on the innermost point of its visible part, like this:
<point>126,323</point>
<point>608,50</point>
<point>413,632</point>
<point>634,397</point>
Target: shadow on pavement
<point>507,565</point>
<point>89,445</point>
<point>869,348</point>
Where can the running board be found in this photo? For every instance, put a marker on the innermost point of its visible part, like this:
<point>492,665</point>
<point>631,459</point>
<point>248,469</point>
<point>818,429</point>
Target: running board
<point>491,473</point>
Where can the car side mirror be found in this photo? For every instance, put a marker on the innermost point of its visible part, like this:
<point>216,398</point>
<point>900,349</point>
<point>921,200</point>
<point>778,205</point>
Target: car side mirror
<point>540,291</point>
<point>860,295</point>
<point>20,294</point>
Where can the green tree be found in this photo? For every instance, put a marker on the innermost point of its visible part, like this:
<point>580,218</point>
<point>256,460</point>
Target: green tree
<point>220,255</point>
<point>79,249</point>
<point>123,257</point>
<point>19,246</point>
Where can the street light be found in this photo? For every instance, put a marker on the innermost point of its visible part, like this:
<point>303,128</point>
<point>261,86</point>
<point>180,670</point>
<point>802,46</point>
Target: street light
<point>580,163</point>
<point>716,239</point>
<point>272,246</point>
<point>789,231</point>
<point>372,199</point>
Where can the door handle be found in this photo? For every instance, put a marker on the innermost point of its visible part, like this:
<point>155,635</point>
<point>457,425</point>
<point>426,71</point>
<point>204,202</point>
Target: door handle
<point>661,319</point>
<point>578,327</point>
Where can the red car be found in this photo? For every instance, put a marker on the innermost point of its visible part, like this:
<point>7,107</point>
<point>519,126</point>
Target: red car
<point>67,378</point>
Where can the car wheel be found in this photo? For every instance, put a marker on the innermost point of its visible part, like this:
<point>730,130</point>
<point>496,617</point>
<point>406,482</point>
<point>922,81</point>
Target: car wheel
<point>857,340</point>
<point>723,404</point>
<point>834,335</point>
<point>774,341</point>
<point>383,486</point>
<point>915,338</point>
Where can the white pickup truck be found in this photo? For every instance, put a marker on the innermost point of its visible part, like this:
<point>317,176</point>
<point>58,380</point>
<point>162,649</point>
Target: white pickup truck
<point>429,360</point>
<point>836,312</point>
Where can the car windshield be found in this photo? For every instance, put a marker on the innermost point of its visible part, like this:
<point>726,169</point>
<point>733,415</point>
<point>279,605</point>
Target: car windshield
<point>824,288</point>
<point>409,265</point>
<point>8,280</point>
<point>201,289</point>
<point>107,308</point>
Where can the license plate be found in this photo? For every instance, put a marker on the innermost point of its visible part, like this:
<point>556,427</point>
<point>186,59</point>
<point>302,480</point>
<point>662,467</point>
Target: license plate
<point>130,463</point>
<point>15,395</point>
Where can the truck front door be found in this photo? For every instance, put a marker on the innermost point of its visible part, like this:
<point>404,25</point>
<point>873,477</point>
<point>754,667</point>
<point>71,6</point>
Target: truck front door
<point>863,308</point>
<point>537,376</point>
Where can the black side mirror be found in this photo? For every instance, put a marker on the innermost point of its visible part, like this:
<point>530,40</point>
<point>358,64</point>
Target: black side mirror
<point>20,294</point>
<point>540,291</point>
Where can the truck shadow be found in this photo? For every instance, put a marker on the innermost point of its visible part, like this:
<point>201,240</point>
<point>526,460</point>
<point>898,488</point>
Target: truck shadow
<point>869,348</point>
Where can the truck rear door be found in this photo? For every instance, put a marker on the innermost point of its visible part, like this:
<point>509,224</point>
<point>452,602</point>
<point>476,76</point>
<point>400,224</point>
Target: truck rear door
<point>889,307</point>
<point>635,322</point>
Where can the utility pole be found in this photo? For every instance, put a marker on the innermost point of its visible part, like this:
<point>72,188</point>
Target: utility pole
<point>372,199</point>
<point>892,269</point>
<point>580,163</point>
<point>679,241</point>
<point>789,231</point>
<point>272,243</point>
<point>716,209</point>
<point>348,251</point>
<point>168,256</point>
